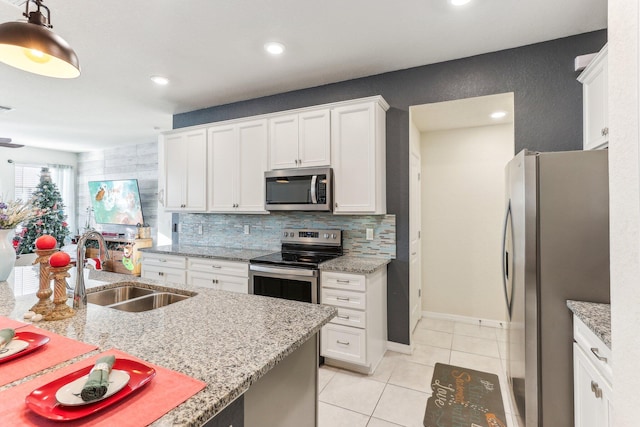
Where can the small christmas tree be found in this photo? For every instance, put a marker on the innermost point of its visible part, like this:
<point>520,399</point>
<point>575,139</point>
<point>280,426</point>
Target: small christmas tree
<point>49,217</point>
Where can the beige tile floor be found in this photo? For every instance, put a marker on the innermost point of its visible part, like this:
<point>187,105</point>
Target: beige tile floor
<point>396,394</point>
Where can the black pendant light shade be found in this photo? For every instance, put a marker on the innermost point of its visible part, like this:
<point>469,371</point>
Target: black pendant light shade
<point>31,46</point>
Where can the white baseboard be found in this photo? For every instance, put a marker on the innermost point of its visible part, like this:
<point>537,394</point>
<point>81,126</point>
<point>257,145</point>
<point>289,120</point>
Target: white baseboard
<point>399,348</point>
<point>465,319</point>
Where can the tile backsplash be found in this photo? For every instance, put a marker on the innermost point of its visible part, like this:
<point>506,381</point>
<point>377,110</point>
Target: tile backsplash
<point>265,230</point>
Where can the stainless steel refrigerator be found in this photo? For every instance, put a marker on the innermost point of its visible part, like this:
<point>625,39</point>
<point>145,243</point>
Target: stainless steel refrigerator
<point>556,247</point>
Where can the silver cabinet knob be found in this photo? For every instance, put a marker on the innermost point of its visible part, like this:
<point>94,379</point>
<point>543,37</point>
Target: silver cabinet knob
<point>326,236</point>
<point>333,236</point>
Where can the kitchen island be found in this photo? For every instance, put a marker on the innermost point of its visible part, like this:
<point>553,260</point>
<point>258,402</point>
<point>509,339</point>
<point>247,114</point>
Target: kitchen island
<point>233,342</point>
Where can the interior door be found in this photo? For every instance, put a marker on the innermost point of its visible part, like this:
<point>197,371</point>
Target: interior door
<point>415,273</point>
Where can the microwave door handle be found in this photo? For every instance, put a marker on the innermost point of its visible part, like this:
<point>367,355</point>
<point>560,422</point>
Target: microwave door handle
<point>314,198</point>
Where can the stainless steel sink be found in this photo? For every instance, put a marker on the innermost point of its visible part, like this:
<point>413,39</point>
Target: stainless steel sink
<point>132,298</point>
<point>116,295</point>
<point>149,302</point>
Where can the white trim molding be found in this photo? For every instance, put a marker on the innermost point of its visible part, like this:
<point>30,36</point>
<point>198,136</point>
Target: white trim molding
<point>492,323</point>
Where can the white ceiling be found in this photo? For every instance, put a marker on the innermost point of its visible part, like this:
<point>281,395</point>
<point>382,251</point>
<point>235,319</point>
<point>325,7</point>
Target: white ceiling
<point>463,113</point>
<point>213,53</point>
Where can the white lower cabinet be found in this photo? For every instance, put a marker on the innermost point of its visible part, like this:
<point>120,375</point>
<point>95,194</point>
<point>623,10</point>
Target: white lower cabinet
<point>206,272</point>
<point>164,268</point>
<point>591,379</point>
<point>356,338</point>
<point>218,274</point>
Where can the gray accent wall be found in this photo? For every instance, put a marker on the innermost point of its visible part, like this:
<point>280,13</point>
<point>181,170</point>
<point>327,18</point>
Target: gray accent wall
<point>128,162</point>
<point>548,117</point>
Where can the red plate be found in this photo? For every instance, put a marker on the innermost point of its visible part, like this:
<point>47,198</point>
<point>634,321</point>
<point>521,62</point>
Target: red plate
<point>43,401</point>
<point>35,342</point>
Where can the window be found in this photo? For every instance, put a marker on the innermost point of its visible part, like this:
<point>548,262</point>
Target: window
<point>27,178</point>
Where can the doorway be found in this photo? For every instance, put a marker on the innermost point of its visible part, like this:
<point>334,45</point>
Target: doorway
<point>457,158</point>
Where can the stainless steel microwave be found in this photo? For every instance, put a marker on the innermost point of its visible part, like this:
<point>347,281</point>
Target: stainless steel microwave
<point>299,189</point>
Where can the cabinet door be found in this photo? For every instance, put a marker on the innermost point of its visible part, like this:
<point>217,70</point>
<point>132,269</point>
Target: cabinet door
<point>592,392</point>
<point>174,172</point>
<point>252,163</point>
<point>595,98</point>
<point>233,284</point>
<point>314,142</point>
<point>165,275</point>
<point>199,278</point>
<point>196,170</point>
<point>355,158</point>
<point>283,137</point>
<point>223,159</point>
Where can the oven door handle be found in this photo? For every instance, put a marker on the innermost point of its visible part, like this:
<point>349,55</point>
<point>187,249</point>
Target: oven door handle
<point>285,271</point>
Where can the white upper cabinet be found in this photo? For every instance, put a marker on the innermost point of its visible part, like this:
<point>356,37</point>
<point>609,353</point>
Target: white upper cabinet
<point>185,171</point>
<point>595,96</point>
<point>219,167</point>
<point>358,158</point>
<point>300,140</point>
<point>237,161</point>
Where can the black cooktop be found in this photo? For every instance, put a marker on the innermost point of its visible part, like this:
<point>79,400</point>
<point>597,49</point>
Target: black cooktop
<point>295,259</point>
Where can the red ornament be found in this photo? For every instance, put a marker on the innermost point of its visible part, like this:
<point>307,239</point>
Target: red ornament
<point>46,242</point>
<point>59,259</point>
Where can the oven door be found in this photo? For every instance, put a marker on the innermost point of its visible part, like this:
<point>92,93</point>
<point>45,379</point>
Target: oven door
<point>298,284</point>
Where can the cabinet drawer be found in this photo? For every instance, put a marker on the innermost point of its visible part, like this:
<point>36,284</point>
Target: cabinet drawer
<point>171,261</point>
<point>597,352</point>
<point>343,343</point>
<point>349,317</point>
<point>340,298</point>
<point>166,275</point>
<point>218,281</point>
<point>232,268</point>
<point>343,281</point>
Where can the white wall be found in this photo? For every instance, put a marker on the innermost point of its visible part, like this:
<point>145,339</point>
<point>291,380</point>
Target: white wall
<point>28,155</point>
<point>462,214</point>
<point>624,197</point>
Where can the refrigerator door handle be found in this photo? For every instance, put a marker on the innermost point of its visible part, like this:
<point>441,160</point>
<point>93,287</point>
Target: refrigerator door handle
<point>505,260</point>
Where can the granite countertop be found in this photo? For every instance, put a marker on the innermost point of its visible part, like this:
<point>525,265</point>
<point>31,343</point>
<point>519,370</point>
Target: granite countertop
<point>228,340</point>
<point>596,316</point>
<point>217,252</point>
<point>354,264</point>
<point>345,264</point>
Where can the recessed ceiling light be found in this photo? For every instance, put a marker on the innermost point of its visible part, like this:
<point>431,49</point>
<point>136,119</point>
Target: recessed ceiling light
<point>160,80</point>
<point>498,114</point>
<point>274,48</point>
<point>459,2</point>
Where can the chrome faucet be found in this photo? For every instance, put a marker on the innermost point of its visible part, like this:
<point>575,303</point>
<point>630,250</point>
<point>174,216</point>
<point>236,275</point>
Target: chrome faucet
<point>80,291</point>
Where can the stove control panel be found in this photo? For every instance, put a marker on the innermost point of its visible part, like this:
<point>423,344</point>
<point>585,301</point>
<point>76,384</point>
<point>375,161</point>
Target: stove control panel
<point>312,236</point>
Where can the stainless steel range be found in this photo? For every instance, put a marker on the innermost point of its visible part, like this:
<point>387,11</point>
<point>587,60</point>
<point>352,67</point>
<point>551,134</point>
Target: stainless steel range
<point>293,273</point>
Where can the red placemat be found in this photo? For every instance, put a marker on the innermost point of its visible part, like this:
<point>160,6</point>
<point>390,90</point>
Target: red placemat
<point>5,322</point>
<point>59,349</point>
<point>164,392</point>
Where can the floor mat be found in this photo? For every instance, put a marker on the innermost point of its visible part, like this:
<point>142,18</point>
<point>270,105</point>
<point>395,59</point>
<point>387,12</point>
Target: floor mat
<point>464,398</point>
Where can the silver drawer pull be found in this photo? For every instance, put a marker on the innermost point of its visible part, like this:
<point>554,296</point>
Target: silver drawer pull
<point>162,260</point>
<point>596,352</point>
<point>342,298</point>
<point>160,273</point>
<point>342,342</point>
<point>342,316</point>
<point>216,266</point>
<point>596,390</point>
<point>342,281</point>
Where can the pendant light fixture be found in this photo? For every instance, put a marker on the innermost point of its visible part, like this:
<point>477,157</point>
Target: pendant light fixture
<point>32,46</point>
